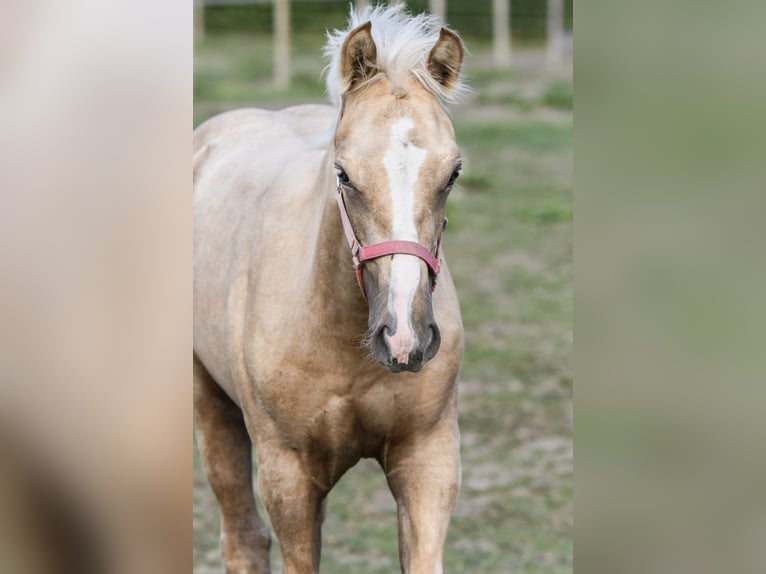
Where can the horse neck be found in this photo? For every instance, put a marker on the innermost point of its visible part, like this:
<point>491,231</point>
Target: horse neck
<point>334,287</point>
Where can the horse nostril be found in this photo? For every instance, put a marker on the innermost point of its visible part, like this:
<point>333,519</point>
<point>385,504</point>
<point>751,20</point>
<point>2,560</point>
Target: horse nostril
<point>434,342</point>
<point>379,345</point>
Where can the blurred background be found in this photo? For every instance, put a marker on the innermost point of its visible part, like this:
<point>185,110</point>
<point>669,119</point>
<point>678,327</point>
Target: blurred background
<point>509,245</point>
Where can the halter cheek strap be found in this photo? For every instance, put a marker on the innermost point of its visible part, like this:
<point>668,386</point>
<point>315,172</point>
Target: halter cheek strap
<point>361,253</point>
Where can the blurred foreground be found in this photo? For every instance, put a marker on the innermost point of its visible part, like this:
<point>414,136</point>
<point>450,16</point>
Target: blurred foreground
<point>95,314</point>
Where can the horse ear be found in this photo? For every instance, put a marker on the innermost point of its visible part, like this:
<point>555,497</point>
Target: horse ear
<point>359,57</point>
<point>445,59</point>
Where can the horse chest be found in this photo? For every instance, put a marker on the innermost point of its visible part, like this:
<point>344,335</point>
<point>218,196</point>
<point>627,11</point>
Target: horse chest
<point>336,398</point>
<point>348,414</point>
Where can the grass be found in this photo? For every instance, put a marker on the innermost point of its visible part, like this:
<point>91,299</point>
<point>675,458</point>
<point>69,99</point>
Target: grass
<point>535,135</point>
<point>559,95</point>
<point>509,246</point>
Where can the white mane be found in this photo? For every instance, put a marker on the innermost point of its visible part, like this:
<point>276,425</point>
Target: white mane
<point>403,43</point>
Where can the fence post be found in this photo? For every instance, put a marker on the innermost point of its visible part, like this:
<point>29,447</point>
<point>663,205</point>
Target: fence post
<point>554,50</point>
<point>438,8</point>
<point>501,32</point>
<point>281,72</point>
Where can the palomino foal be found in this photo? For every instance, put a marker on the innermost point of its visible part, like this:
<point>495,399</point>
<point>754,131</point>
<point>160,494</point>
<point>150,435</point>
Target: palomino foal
<point>294,352</point>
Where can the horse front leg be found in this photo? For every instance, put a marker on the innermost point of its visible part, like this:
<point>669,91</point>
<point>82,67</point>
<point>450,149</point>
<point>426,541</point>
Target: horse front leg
<point>424,476</point>
<point>296,506</point>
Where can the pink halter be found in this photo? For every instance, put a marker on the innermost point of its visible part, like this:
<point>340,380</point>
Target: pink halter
<point>361,253</point>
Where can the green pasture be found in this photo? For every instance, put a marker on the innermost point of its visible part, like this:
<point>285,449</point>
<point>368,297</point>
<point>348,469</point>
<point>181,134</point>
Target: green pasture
<point>509,247</point>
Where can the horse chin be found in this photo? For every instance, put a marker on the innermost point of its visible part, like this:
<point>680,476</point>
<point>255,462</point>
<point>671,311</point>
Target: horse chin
<point>396,367</point>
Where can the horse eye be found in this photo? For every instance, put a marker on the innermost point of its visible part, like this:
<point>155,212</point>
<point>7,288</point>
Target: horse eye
<point>343,178</point>
<point>453,177</point>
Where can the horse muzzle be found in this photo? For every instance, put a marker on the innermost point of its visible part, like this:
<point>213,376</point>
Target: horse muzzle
<point>403,359</point>
<point>404,347</point>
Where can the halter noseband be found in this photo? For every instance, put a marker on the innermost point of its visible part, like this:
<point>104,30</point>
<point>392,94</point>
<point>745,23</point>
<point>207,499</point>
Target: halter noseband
<point>361,253</point>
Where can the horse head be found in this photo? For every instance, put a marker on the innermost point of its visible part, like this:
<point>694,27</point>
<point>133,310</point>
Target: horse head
<point>396,161</point>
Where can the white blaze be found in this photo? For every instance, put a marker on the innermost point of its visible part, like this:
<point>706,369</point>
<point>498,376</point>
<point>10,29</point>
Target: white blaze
<point>402,162</point>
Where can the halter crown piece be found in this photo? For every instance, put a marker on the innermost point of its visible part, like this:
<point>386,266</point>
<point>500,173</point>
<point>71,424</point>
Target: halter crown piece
<point>361,253</point>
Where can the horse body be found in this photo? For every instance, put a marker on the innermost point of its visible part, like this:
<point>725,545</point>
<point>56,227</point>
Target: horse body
<point>284,338</point>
